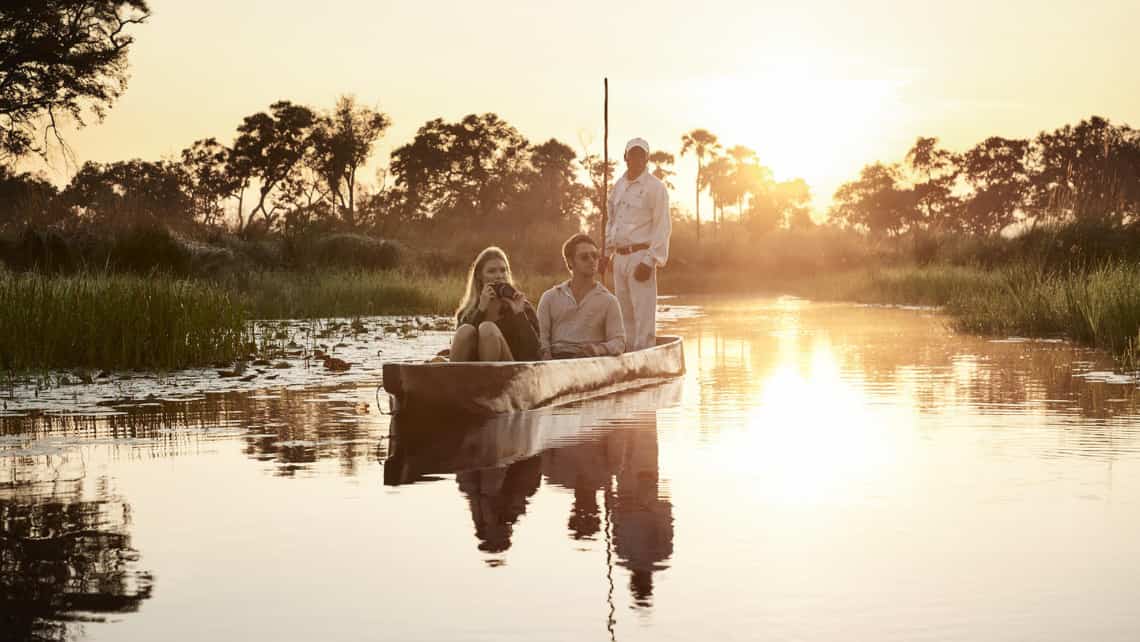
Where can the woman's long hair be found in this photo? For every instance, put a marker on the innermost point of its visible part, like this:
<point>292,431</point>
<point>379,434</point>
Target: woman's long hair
<point>475,281</point>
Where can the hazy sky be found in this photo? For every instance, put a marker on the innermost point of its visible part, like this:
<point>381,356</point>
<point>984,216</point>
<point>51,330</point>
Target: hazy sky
<point>817,87</point>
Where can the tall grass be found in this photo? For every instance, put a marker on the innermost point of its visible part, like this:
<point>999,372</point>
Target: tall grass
<point>116,321</point>
<point>280,295</point>
<point>1097,306</point>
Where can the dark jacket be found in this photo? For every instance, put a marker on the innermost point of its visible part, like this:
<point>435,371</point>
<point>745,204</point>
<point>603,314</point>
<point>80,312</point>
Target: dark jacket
<point>520,329</point>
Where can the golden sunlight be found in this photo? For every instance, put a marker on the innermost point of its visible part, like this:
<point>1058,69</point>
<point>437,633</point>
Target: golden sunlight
<point>806,117</point>
<point>810,433</point>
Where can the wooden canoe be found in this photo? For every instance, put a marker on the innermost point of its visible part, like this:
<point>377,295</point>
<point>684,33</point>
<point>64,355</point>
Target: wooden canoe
<point>484,389</point>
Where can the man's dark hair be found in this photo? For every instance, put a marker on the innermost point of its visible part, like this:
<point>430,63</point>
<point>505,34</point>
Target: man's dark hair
<point>571,245</point>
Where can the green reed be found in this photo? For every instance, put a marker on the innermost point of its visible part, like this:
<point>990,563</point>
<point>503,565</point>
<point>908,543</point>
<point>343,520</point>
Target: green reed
<point>1097,306</point>
<point>116,321</point>
<point>281,295</point>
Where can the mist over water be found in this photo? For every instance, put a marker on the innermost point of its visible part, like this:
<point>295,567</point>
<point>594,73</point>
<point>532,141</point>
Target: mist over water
<point>821,472</point>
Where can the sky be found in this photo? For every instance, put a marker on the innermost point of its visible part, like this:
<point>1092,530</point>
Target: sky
<point>818,88</point>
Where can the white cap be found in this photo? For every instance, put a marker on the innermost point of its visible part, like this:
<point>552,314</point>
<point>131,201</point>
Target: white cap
<point>637,142</point>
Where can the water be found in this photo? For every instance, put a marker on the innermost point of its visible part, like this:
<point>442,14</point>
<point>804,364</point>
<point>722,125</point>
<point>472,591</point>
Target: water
<point>822,472</point>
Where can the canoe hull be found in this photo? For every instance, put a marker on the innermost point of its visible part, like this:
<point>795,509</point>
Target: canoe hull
<point>484,389</point>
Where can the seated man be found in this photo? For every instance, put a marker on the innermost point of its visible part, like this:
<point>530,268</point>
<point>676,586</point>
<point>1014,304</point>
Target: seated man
<point>580,317</point>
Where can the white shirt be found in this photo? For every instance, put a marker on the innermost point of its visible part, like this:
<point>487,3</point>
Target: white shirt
<point>593,323</point>
<point>639,213</point>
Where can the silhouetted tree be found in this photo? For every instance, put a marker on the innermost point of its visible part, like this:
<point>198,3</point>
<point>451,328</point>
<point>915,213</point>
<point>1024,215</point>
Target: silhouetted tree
<point>996,172</point>
<point>663,167</point>
<point>555,195</point>
<point>128,192</point>
<point>934,172</point>
<point>270,146</point>
<point>702,143</point>
<point>875,202</point>
<point>470,169</point>
<point>342,143</point>
<point>57,58</point>
<point>211,182</point>
<point>718,177</point>
<point>1090,171</point>
<point>26,199</point>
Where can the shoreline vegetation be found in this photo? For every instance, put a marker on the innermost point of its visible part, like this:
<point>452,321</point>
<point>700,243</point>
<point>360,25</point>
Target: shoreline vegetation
<point>105,320</point>
<point>162,263</point>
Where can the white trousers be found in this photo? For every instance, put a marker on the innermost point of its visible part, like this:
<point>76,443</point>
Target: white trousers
<point>638,301</point>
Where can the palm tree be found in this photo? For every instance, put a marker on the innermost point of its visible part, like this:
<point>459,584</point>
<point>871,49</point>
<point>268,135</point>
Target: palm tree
<point>662,166</point>
<point>719,179</point>
<point>742,158</point>
<point>702,143</point>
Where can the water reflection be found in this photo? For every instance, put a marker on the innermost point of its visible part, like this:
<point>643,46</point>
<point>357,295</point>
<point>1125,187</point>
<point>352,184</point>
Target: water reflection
<point>65,556</point>
<point>603,447</point>
<point>866,473</point>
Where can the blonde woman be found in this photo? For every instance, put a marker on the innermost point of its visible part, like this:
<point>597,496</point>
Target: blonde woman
<point>495,321</point>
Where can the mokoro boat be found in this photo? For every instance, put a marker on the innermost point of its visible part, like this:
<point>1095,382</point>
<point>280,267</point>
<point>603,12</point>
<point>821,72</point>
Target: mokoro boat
<point>484,388</point>
<point>421,447</point>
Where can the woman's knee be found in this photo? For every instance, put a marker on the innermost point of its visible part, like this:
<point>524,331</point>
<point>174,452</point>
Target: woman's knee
<point>489,329</point>
<point>466,331</point>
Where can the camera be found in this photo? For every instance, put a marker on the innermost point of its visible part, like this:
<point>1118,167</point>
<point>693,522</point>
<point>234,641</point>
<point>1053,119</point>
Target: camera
<point>503,290</point>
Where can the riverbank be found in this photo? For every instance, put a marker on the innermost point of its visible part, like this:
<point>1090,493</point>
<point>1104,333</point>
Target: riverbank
<point>118,321</point>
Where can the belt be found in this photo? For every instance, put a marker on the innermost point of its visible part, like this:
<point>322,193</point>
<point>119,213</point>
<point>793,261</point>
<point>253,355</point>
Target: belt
<point>630,249</point>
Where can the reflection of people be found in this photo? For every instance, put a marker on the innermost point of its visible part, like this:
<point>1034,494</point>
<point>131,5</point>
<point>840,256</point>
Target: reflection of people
<point>642,517</point>
<point>497,498</point>
<point>579,317</point>
<point>495,321</point>
<point>638,243</point>
<point>643,521</point>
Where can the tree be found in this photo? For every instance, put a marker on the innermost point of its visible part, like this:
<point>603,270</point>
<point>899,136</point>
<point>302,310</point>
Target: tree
<point>468,170</point>
<point>60,58</point>
<point>26,199</point>
<point>597,172</point>
<point>1090,171</point>
<point>663,167</point>
<point>743,158</point>
<point>342,143</point>
<point>718,178</point>
<point>933,173</point>
<point>553,191</point>
<point>702,143</point>
<point>211,183</point>
<point>875,202</point>
<point>128,192</point>
<point>997,174</point>
<point>269,147</point>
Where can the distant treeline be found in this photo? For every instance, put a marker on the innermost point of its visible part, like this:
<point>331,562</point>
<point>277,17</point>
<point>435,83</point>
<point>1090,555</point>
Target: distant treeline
<point>1088,173</point>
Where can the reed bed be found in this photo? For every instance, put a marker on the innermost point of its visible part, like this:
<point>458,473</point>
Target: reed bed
<point>109,321</point>
<point>1097,306</point>
<point>289,295</point>
<point>116,321</point>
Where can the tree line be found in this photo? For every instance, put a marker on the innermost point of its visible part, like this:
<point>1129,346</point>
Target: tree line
<point>1083,173</point>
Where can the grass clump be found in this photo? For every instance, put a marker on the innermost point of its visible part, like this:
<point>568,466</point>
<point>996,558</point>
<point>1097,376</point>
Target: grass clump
<point>116,321</point>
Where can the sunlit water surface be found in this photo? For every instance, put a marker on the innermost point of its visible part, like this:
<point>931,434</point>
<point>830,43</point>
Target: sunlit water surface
<point>822,472</point>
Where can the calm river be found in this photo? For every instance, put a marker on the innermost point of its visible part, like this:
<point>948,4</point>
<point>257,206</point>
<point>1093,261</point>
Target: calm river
<point>822,472</point>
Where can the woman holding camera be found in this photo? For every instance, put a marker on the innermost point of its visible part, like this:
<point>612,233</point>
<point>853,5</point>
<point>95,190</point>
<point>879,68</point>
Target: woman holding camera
<point>495,321</point>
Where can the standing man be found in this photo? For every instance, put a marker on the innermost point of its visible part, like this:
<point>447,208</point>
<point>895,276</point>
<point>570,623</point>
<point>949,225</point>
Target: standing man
<point>637,236</point>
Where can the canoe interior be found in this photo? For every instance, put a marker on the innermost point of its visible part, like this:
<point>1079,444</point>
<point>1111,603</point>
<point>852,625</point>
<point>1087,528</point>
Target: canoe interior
<point>483,389</point>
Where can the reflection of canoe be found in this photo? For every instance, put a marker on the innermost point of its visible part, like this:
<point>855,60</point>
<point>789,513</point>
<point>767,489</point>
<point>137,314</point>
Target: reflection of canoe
<point>490,388</point>
<point>420,446</point>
